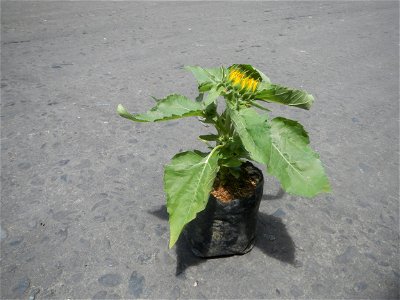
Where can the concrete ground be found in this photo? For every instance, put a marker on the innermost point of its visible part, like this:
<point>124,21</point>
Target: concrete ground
<point>82,202</point>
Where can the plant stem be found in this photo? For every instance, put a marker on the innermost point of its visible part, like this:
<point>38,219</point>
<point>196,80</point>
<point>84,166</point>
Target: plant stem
<point>215,149</point>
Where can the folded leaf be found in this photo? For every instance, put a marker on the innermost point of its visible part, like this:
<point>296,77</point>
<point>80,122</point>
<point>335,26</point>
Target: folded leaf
<point>264,77</point>
<point>206,86</point>
<point>188,181</point>
<point>284,95</point>
<point>255,104</point>
<point>254,132</point>
<point>206,78</point>
<point>173,107</point>
<point>293,162</point>
<point>209,137</point>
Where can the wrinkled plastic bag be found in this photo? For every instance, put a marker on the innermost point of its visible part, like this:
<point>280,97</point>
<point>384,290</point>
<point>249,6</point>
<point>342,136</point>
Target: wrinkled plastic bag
<point>224,229</point>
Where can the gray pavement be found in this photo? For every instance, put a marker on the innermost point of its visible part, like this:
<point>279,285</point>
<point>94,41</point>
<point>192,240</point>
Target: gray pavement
<point>82,203</point>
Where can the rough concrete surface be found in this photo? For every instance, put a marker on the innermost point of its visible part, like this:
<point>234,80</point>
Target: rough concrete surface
<point>82,203</point>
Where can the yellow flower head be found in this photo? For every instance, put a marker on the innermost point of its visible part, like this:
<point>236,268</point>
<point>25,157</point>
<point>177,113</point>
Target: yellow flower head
<point>243,78</point>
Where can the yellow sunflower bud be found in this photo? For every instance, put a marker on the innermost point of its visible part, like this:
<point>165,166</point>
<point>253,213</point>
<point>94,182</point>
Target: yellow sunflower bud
<point>241,79</point>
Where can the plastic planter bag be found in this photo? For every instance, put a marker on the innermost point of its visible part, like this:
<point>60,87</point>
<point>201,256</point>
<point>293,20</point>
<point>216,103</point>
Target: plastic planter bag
<point>224,229</point>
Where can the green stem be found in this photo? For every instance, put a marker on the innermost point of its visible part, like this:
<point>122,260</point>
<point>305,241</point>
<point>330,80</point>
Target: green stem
<point>215,149</point>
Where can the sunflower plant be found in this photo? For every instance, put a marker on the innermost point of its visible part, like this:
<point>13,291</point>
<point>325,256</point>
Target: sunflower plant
<point>243,131</point>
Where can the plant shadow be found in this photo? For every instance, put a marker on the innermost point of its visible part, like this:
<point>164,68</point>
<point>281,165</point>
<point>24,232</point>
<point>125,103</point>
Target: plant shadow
<point>185,257</point>
<point>272,239</point>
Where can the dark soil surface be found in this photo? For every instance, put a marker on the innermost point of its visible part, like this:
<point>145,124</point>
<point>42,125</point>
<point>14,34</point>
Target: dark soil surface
<point>234,187</point>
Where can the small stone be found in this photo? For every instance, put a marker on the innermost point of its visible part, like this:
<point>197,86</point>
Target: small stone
<point>297,264</point>
<point>144,258</point>
<point>330,198</point>
<point>327,229</point>
<point>296,291</point>
<point>23,284</point>
<point>100,203</point>
<point>12,269</point>
<point>63,162</point>
<point>160,229</point>
<point>16,241</point>
<point>136,282</point>
<point>364,168</point>
<point>111,262</point>
<point>107,243</point>
<point>33,293</point>
<point>360,286</point>
<point>29,257</point>
<point>85,163</point>
<point>383,264</point>
<point>49,293</point>
<point>100,295</point>
<point>24,165</point>
<point>279,213</point>
<point>37,181</point>
<point>175,293</point>
<point>132,141</point>
<point>270,237</point>
<point>347,255</point>
<point>317,288</point>
<point>110,280</point>
<point>32,224</point>
<point>111,172</point>
<point>3,233</point>
<point>63,233</point>
<point>371,256</point>
<point>85,243</point>
<point>105,295</point>
<point>60,268</point>
<point>363,204</point>
<point>196,283</point>
<point>290,206</point>
<point>99,218</point>
<point>77,278</point>
<point>124,158</point>
<point>168,259</point>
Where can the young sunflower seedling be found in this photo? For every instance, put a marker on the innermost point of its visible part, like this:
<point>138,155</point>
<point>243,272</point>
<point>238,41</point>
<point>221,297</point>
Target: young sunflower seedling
<point>242,133</point>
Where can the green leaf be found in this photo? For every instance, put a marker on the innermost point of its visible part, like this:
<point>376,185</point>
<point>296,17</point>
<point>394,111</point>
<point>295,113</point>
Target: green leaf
<point>255,104</point>
<point>231,163</point>
<point>209,137</point>
<point>212,95</point>
<point>254,132</point>
<point>206,78</point>
<point>206,86</point>
<point>284,95</point>
<point>173,107</point>
<point>263,76</point>
<point>293,162</point>
<point>188,181</point>
<point>210,114</point>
